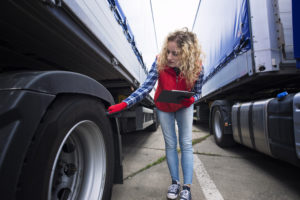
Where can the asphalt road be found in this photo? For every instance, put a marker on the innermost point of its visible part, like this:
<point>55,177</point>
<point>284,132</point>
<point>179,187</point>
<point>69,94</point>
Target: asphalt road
<point>237,173</point>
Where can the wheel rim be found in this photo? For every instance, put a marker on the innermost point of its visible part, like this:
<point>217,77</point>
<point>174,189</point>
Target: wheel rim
<point>217,124</point>
<point>79,168</point>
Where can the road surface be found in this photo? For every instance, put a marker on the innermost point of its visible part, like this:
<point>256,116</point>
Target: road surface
<point>237,173</point>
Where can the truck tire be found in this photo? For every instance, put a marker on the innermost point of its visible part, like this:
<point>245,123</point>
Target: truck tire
<point>72,154</point>
<point>222,134</point>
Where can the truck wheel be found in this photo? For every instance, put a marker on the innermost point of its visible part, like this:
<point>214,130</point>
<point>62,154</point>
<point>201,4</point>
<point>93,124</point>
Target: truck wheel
<point>72,154</point>
<point>223,135</point>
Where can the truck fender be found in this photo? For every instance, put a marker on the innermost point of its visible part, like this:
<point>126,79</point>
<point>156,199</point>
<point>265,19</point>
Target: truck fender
<point>54,83</point>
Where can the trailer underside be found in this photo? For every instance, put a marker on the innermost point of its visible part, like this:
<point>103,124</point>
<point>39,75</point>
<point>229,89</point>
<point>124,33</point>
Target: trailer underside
<point>261,85</point>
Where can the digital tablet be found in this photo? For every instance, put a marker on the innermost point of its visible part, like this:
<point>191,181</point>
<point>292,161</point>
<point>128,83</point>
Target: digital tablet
<point>174,96</point>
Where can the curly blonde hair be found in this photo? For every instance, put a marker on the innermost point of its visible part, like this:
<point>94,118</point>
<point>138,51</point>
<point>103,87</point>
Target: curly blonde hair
<point>190,55</point>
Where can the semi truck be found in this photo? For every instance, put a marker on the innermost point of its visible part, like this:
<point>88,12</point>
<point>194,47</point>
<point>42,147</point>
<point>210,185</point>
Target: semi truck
<point>63,63</point>
<point>251,87</point>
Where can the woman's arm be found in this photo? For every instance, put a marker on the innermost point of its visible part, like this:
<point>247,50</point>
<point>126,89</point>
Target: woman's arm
<point>198,86</point>
<point>145,88</point>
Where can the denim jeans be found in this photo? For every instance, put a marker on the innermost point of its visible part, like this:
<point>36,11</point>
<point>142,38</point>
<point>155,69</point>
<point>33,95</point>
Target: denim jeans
<point>184,118</point>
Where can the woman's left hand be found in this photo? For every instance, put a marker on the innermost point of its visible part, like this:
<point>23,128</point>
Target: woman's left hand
<point>187,102</point>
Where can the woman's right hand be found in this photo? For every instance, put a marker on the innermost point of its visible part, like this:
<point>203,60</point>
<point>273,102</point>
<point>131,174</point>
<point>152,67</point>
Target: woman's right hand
<point>116,108</point>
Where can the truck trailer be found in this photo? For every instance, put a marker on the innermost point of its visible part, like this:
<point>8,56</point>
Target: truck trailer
<point>63,63</point>
<point>251,89</point>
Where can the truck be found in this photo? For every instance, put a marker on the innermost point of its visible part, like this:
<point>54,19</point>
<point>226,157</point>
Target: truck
<point>251,87</point>
<point>63,63</point>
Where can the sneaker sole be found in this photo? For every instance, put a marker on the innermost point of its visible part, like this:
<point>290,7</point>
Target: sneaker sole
<point>172,196</point>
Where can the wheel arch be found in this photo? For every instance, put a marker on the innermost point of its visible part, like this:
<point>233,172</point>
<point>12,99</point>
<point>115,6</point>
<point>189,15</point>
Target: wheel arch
<point>55,83</point>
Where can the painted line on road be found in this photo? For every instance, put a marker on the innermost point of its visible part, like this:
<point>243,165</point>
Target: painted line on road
<point>208,187</point>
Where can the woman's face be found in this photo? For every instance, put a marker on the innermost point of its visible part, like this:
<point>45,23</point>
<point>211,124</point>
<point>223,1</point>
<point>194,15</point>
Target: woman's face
<point>173,54</point>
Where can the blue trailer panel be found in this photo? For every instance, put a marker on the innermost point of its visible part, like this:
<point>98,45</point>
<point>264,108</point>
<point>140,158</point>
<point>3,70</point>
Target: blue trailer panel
<point>224,33</point>
<point>242,44</point>
<point>296,29</point>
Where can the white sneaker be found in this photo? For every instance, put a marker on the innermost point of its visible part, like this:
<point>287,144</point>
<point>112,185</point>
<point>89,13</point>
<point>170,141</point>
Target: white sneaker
<point>185,195</point>
<point>173,190</point>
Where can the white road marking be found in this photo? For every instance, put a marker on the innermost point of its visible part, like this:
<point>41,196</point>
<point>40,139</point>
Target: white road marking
<point>208,187</point>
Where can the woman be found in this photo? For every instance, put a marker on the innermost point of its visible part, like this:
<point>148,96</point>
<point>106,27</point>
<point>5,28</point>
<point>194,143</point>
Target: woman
<point>178,67</point>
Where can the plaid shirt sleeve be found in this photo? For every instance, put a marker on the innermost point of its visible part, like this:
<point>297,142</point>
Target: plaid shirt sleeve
<point>145,88</point>
<point>198,86</point>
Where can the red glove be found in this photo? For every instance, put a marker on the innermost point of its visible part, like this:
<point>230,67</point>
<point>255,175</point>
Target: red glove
<point>187,102</point>
<point>116,108</point>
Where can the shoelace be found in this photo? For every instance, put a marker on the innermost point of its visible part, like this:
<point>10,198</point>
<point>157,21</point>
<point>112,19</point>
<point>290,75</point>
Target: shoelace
<point>172,188</point>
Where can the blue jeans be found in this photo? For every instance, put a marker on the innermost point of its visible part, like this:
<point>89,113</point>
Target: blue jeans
<point>184,118</point>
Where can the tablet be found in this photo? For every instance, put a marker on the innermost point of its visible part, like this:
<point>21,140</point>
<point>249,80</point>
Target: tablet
<point>174,96</point>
